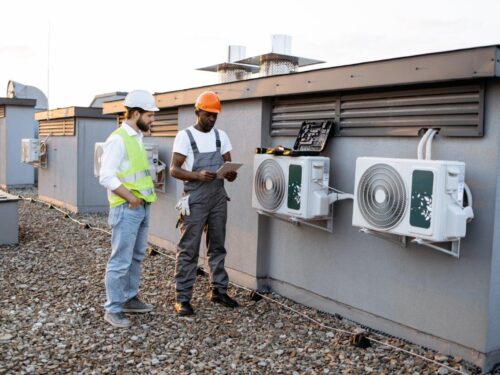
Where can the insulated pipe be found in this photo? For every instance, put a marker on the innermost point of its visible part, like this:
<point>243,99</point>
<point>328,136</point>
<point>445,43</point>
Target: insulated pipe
<point>428,145</point>
<point>422,143</point>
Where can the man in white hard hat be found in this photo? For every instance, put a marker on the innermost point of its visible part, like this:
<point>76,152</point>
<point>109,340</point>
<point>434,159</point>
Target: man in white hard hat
<point>125,174</point>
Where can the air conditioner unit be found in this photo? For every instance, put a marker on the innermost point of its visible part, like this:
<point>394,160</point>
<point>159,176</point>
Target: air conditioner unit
<point>156,166</point>
<point>408,197</point>
<point>98,150</point>
<point>291,186</point>
<point>30,150</point>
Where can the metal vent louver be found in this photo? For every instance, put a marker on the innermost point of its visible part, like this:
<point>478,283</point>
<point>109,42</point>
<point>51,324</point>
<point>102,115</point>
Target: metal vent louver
<point>382,196</point>
<point>270,185</point>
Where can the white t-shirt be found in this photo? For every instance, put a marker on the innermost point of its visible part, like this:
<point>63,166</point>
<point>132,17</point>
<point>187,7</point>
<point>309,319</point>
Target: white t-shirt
<point>204,141</point>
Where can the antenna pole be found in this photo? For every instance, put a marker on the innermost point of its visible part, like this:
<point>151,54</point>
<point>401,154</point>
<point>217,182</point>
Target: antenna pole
<point>48,71</point>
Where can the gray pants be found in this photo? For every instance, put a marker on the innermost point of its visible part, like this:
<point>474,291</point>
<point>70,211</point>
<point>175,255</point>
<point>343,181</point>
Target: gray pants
<point>213,213</point>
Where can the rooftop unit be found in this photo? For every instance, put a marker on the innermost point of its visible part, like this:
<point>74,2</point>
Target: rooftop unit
<point>100,99</point>
<point>231,71</point>
<point>9,229</point>
<point>379,108</point>
<point>68,179</point>
<point>16,122</point>
<point>279,60</point>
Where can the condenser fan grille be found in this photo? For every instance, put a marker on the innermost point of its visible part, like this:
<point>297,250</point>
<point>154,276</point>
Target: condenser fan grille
<point>270,185</point>
<point>382,197</point>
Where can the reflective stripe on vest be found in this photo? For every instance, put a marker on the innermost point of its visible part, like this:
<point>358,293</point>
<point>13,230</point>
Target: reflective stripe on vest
<point>137,178</point>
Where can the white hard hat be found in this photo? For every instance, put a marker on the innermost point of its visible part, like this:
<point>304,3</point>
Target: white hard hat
<point>141,99</point>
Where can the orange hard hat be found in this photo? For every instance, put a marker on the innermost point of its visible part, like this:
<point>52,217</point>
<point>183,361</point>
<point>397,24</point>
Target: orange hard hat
<point>208,102</point>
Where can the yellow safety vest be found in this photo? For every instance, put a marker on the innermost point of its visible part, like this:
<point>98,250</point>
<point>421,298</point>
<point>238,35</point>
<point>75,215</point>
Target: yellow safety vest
<point>137,177</point>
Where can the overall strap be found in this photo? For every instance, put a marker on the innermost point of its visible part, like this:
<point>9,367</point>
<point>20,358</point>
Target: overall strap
<point>217,140</point>
<point>194,147</point>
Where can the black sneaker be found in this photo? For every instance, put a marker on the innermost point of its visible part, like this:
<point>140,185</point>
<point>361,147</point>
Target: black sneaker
<point>223,299</point>
<point>183,308</point>
<point>135,305</point>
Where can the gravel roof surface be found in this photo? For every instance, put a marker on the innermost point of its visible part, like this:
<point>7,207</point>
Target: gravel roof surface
<point>51,318</point>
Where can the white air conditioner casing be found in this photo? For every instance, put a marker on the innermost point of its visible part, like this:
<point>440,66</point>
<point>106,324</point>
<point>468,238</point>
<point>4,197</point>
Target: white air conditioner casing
<point>156,166</point>
<point>98,150</point>
<point>30,150</point>
<point>411,197</point>
<point>291,186</point>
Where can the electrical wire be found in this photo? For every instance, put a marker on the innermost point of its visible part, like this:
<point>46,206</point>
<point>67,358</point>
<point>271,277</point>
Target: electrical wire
<point>305,316</point>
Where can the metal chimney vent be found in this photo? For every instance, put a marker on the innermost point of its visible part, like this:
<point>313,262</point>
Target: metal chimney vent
<point>280,60</point>
<point>232,71</point>
<point>276,66</point>
<point>18,90</point>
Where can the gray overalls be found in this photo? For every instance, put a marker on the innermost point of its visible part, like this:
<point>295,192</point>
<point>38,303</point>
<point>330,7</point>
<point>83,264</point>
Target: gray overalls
<point>208,206</point>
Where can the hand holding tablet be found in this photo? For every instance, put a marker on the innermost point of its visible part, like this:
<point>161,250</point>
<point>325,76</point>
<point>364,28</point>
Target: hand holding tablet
<point>228,166</point>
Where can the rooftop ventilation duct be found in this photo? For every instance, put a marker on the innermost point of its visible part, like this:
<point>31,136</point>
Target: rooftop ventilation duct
<point>20,91</point>
<point>108,97</point>
<point>279,60</point>
<point>231,71</point>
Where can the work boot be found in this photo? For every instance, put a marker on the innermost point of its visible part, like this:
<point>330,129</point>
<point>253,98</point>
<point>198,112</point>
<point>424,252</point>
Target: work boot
<point>118,320</point>
<point>222,298</point>
<point>135,305</point>
<point>183,308</point>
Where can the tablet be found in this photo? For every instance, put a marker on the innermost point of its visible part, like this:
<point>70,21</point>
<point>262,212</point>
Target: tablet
<point>228,166</point>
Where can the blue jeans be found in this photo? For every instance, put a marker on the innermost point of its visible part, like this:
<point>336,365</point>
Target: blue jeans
<point>129,242</point>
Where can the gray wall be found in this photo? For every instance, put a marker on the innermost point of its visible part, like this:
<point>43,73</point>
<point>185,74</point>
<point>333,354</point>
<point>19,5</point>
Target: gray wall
<point>416,287</point>
<point>91,196</point>
<point>243,126</point>
<point>415,292</point>
<point>9,229</point>
<point>17,124</point>
<point>3,151</point>
<point>59,180</point>
<point>493,116</point>
<point>69,176</point>
<point>163,214</point>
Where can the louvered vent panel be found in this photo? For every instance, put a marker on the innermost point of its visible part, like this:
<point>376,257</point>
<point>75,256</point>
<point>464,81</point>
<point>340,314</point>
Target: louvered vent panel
<point>57,127</point>
<point>165,124</point>
<point>456,111</point>
<point>2,111</point>
<point>288,114</point>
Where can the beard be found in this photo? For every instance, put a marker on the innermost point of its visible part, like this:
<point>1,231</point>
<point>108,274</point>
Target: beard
<point>142,125</point>
<point>206,126</point>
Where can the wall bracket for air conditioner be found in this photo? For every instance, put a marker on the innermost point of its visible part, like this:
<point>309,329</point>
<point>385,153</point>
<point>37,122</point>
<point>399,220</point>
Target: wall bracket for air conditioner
<point>42,161</point>
<point>159,181</point>
<point>397,239</point>
<point>328,227</point>
<point>454,251</point>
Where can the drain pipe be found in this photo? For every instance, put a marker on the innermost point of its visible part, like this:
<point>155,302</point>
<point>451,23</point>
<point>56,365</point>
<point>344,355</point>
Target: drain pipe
<point>428,145</point>
<point>421,144</point>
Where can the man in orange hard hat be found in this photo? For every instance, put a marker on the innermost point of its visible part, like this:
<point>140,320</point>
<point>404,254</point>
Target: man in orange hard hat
<point>197,154</point>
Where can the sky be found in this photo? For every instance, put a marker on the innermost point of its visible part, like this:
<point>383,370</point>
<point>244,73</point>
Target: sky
<point>74,50</point>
